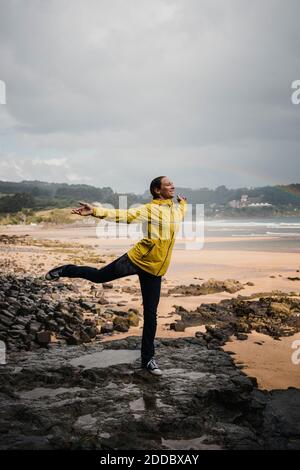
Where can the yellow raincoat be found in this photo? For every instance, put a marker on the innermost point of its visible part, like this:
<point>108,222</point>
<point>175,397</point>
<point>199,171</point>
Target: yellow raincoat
<point>161,220</point>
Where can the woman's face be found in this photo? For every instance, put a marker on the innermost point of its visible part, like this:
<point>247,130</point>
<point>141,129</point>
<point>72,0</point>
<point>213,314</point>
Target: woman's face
<point>167,189</point>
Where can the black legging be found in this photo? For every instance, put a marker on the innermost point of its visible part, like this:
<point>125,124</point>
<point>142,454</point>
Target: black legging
<point>150,288</point>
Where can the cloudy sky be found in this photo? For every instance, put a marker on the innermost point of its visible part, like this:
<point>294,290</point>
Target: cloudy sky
<point>116,92</point>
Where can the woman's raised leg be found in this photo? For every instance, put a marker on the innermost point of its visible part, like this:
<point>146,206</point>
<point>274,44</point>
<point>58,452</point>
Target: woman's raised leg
<point>118,268</point>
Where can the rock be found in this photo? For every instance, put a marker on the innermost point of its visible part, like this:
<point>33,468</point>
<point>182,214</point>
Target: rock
<point>85,338</point>
<point>91,331</point>
<point>121,324</point>
<point>72,339</point>
<point>120,313</point>
<point>17,327</point>
<point>43,337</point>
<point>52,325</point>
<point>178,326</point>
<point>209,287</point>
<point>280,309</point>
<point>68,330</point>
<point>88,305</point>
<point>133,319</point>
<point>107,327</point>
<point>3,305</point>
<point>242,326</point>
<point>130,290</point>
<point>86,424</point>
<point>41,316</point>
<point>8,315</point>
<point>241,336</point>
<point>102,301</point>
<point>272,315</point>
<point>3,336</point>
<point>5,320</point>
<point>34,327</point>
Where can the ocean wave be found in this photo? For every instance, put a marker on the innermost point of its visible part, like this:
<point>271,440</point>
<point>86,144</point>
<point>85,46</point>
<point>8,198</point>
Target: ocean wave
<point>285,234</point>
<point>223,225</point>
<point>289,224</point>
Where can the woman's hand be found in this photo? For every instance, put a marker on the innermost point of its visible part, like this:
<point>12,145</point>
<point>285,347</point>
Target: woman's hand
<point>180,198</point>
<point>85,209</point>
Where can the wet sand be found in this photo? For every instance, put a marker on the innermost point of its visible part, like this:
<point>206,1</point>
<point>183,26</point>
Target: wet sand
<point>269,360</point>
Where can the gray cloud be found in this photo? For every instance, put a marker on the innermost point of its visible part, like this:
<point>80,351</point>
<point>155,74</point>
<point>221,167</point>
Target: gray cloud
<point>123,91</point>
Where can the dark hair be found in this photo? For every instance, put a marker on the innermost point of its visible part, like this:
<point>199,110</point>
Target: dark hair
<point>155,184</point>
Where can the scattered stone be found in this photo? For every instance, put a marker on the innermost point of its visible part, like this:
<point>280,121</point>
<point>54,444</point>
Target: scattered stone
<point>130,290</point>
<point>43,337</point>
<point>133,319</point>
<point>88,305</point>
<point>35,313</point>
<point>102,300</point>
<point>72,339</point>
<point>209,287</point>
<point>276,316</point>
<point>241,336</point>
<point>107,327</point>
<point>121,324</point>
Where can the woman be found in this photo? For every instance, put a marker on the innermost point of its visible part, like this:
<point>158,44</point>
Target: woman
<point>149,258</point>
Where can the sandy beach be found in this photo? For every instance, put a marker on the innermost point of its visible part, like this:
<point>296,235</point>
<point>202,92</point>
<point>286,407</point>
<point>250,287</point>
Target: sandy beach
<point>266,359</point>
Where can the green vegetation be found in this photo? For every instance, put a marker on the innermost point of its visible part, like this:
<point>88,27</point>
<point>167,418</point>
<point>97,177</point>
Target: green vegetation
<point>37,201</point>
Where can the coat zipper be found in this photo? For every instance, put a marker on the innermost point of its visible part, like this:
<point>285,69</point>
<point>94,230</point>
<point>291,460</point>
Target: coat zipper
<point>166,255</point>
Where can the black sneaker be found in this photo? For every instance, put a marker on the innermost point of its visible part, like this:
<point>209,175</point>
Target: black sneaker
<point>54,274</point>
<point>153,368</point>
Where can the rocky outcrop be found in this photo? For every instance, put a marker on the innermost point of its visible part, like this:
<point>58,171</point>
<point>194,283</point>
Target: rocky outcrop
<point>34,314</point>
<point>277,316</point>
<point>209,287</point>
<point>70,398</point>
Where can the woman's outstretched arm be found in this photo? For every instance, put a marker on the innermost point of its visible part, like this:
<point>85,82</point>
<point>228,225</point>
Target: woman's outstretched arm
<point>136,215</point>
